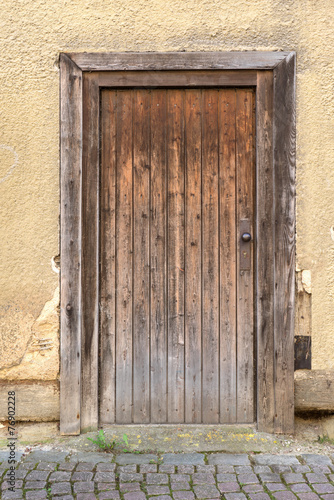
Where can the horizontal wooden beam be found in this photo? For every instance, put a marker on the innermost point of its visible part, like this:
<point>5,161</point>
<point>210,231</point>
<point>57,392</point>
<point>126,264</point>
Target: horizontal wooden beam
<point>314,390</point>
<point>201,79</point>
<point>137,61</point>
<point>35,401</point>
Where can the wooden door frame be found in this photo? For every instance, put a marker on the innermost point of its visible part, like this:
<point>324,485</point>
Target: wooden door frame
<point>273,76</point>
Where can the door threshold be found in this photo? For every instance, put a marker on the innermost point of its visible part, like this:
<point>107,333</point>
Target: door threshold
<point>188,438</point>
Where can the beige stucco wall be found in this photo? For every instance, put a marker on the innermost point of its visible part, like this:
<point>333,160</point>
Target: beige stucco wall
<point>33,32</point>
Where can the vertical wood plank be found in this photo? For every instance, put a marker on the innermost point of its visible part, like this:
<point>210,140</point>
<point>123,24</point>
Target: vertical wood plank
<point>175,258</point>
<point>124,260</point>
<point>141,257</point>
<point>158,258</point>
<point>107,257</point>
<point>284,182</point>
<point>210,259</point>
<point>193,248</point>
<point>90,255</point>
<point>245,320</point>
<point>70,245</point>
<point>265,253</point>
<point>227,211</point>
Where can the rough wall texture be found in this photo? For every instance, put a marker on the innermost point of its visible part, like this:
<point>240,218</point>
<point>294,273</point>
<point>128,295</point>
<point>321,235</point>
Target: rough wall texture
<point>33,32</point>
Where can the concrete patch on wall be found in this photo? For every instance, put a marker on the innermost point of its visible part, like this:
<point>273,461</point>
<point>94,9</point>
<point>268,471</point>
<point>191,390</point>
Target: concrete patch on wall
<point>38,345</point>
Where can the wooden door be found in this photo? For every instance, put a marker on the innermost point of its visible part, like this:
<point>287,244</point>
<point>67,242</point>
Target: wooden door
<point>176,277</point>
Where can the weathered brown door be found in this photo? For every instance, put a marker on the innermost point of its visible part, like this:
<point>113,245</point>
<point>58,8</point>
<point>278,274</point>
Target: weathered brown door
<point>176,276</point>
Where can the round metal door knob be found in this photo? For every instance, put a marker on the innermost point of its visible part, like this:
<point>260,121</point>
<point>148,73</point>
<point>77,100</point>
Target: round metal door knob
<point>246,237</point>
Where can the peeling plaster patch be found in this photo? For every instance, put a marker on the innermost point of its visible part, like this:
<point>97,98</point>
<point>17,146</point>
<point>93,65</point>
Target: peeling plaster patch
<point>332,232</point>
<point>306,281</point>
<point>55,264</point>
<point>41,354</point>
<point>303,311</point>
<point>8,171</point>
<point>15,334</point>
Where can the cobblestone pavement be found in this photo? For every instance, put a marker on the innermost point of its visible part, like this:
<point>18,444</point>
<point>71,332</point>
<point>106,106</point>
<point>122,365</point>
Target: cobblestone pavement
<point>90,476</point>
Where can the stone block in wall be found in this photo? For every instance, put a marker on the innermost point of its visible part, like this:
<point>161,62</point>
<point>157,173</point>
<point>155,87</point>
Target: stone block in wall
<point>35,401</point>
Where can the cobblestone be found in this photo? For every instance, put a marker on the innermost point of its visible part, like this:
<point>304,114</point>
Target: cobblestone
<point>206,491</point>
<point>106,486</point>
<point>227,487</point>
<point>253,488</point>
<point>83,487</point>
<point>275,460</point>
<point>85,467</point>
<point>247,478</point>
<point>183,495</point>
<point>126,468</point>
<point>323,488</point>
<point>270,477</point>
<point>316,459</point>
<point>186,477</point>
<point>300,488</point>
<point>46,466</point>
<point>109,495</point>
<point>60,476</point>
<point>35,485</point>
<point>293,478</point>
<point>179,486</point>
<point>184,458</point>
<point>280,469</point>
<point>200,478</point>
<point>129,459</point>
<point>227,459</point>
<point>36,495</point>
<point>61,488</point>
<point>157,489</point>
<point>275,487</point>
<point>104,477</point>
<point>106,467</point>
<point>316,478</point>
<point>259,496</point>
<point>81,476</point>
<point>186,469</point>
<point>156,478</point>
<point>36,475</point>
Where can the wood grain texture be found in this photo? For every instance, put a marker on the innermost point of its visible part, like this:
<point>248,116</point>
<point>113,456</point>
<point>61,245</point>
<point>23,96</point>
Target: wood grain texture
<point>284,285</point>
<point>210,259</point>
<point>176,60</point>
<point>202,79</point>
<point>245,208</point>
<point>90,256</point>
<point>124,259</point>
<point>175,258</point>
<point>108,258</point>
<point>158,257</point>
<point>265,253</point>
<point>141,256</point>
<point>193,252</point>
<point>70,245</point>
<point>227,249</point>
